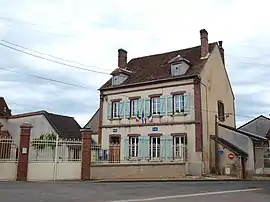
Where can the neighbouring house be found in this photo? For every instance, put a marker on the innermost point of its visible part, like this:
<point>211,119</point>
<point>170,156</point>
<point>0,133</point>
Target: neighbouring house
<point>261,127</point>
<point>93,125</point>
<point>250,158</point>
<point>43,122</point>
<point>162,107</point>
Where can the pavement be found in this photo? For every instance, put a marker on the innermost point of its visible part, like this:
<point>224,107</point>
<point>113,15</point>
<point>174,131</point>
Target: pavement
<point>87,191</point>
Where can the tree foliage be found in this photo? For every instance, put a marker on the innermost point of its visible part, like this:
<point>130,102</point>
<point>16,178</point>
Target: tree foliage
<point>45,140</point>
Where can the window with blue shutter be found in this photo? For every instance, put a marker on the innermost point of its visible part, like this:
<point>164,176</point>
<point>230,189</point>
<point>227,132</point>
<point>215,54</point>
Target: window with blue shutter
<point>127,109</point>
<point>186,103</point>
<point>162,106</point>
<point>126,148</point>
<point>166,144</point>
<point>109,111</point>
<point>170,105</point>
<point>144,147</point>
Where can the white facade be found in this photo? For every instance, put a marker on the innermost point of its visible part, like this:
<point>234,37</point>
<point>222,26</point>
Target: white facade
<point>39,122</point>
<point>165,125</point>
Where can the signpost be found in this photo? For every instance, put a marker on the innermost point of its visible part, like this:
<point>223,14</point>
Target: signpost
<point>231,156</point>
<point>220,152</point>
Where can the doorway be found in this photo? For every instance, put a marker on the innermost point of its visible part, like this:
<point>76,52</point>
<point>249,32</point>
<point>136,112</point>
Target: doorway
<point>114,148</point>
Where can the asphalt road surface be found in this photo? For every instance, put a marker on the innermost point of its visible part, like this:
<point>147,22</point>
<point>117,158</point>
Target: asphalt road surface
<point>249,191</point>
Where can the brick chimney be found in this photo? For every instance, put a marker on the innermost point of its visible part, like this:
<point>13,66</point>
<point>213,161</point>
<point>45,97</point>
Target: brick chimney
<point>122,58</point>
<point>204,43</point>
<point>221,49</point>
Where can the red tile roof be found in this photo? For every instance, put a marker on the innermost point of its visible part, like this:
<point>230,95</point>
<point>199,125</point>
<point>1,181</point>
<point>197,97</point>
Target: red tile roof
<point>156,67</point>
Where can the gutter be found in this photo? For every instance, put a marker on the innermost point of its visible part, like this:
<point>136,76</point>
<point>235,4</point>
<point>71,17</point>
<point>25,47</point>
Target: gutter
<point>207,126</point>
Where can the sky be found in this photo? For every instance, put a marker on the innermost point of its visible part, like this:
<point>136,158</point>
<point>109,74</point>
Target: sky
<point>90,33</point>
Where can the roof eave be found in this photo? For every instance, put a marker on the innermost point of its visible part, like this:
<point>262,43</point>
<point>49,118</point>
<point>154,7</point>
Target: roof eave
<point>151,82</point>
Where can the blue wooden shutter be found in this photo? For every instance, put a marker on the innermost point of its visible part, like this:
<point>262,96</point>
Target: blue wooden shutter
<point>186,103</point>
<point>126,148</point>
<point>166,147</point>
<point>121,109</point>
<point>162,106</point>
<point>147,106</point>
<point>170,105</point>
<point>109,111</point>
<point>144,147</point>
<point>127,108</point>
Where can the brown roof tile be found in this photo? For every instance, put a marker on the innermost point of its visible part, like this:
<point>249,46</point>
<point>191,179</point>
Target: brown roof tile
<point>156,67</point>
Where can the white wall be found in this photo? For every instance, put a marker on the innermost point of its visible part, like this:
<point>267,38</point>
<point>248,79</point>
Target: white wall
<point>8,171</point>
<point>39,122</point>
<point>39,171</point>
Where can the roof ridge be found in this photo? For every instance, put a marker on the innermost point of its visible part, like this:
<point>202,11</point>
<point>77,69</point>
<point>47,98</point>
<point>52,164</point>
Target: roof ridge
<point>168,52</point>
<point>59,114</point>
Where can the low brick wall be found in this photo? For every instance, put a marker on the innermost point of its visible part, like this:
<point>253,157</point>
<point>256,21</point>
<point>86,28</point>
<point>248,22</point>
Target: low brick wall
<point>138,171</point>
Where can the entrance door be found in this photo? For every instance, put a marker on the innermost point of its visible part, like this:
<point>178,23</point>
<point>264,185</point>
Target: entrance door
<point>114,150</point>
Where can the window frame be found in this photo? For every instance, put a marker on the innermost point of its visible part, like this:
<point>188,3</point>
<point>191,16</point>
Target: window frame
<point>158,105</point>
<point>132,100</point>
<point>221,111</point>
<point>116,102</point>
<point>133,149</point>
<point>174,94</point>
<point>155,148</point>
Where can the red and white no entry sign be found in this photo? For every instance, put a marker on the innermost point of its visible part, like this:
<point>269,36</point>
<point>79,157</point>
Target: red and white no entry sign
<point>231,156</point>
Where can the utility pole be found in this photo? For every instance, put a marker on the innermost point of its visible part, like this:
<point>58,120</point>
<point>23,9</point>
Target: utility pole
<point>216,144</point>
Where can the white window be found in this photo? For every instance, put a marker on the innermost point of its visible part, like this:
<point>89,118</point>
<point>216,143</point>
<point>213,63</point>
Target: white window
<point>133,147</point>
<point>179,147</point>
<point>155,105</point>
<point>155,147</point>
<point>134,107</point>
<point>116,109</point>
<point>179,103</point>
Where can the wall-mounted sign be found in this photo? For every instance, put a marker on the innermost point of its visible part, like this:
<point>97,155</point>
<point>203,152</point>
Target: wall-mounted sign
<point>220,152</point>
<point>231,156</point>
<point>154,129</point>
<point>24,150</point>
<point>114,130</point>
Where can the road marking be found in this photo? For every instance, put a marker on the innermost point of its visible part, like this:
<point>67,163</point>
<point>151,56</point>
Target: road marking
<point>188,195</point>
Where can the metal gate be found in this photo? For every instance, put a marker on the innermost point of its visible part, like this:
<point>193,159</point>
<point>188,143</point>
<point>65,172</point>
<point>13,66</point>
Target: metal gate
<point>56,159</point>
<point>8,159</point>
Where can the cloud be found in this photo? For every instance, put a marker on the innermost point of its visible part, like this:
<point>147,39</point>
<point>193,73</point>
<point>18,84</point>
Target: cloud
<point>90,32</point>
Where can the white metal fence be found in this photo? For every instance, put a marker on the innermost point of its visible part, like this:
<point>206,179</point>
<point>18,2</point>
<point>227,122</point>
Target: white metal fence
<point>8,158</point>
<point>51,150</point>
<point>140,151</point>
<point>54,159</point>
<point>8,150</point>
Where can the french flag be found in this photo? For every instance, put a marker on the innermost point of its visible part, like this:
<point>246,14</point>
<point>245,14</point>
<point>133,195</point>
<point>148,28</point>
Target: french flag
<point>143,118</point>
<point>138,117</point>
<point>150,118</point>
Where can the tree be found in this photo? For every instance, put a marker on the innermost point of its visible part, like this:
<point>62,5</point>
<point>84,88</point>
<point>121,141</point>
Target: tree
<point>45,140</point>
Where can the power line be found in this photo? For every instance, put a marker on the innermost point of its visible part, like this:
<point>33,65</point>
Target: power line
<point>47,79</point>
<point>57,62</point>
<point>59,58</point>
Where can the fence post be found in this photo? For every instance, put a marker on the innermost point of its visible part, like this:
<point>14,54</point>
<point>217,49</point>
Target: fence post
<point>86,153</point>
<point>23,152</point>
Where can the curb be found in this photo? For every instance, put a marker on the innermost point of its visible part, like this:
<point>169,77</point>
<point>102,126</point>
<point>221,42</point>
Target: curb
<point>184,180</point>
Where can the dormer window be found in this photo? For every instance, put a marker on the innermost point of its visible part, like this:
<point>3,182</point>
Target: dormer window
<point>119,76</point>
<point>179,65</point>
<point>116,80</point>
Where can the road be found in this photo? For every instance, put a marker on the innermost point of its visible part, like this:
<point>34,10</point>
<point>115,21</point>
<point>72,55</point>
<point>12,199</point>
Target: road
<point>249,191</point>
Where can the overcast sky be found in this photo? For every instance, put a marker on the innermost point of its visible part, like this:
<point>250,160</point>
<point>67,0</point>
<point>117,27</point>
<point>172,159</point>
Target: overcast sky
<point>90,32</point>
